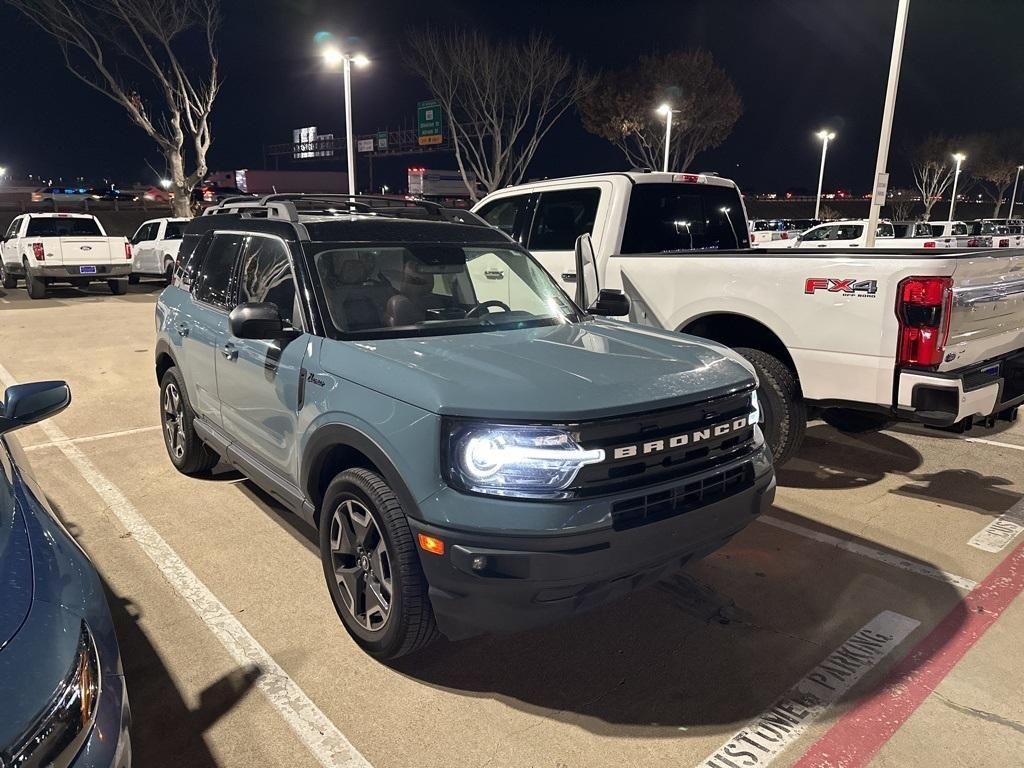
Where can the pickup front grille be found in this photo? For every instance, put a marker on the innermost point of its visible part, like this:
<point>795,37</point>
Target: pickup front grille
<point>641,510</point>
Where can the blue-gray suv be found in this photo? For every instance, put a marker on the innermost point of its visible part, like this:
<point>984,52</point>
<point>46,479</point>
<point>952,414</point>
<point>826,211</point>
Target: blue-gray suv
<point>477,452</point>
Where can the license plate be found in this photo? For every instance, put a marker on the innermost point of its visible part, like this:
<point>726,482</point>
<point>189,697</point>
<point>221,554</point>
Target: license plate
<point>87,270</point>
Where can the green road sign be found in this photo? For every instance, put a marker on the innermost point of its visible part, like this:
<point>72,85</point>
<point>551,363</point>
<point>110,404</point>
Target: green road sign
<point>428,122</point>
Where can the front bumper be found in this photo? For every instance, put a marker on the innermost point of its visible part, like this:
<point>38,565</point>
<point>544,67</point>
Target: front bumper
<point>947,398</point>
<point>109,744</point>
<point>489,582</point>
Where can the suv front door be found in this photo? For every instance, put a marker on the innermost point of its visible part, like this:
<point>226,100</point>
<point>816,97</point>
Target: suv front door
<point>259,382</point>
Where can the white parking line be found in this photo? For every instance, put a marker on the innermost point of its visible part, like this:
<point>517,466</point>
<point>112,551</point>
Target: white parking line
<point>88,439</point>
<point>765,737</point>
<point>996,535</point>
<point>996,443</point>
<point>323,739</point>
<point>889,558</point>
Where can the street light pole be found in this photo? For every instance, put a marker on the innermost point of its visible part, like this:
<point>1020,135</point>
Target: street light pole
<point>333,57</point>
<point>1013,197</point>
<point>959,157</point>
<point>666,110</point>
<point>825,137</point>
<point>881,180</point>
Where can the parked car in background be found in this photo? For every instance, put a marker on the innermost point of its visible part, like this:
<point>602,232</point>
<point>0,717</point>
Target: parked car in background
<point>64,194</point>
<point>994,233</point>
<point>63,700</point>
<point>73,248</point>
<point>477,452</point>
<point>948,228</point>
<point>155,248</point>
<point>852,233</point>
<point>859,338</point>
<point>766,230</point>
<point>118,195</point>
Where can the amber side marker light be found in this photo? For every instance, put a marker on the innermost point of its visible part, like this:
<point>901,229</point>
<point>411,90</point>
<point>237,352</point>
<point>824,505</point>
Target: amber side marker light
<point>430,544</point>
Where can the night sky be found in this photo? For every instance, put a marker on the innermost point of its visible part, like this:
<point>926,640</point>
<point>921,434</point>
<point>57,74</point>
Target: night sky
<point>797,65</point>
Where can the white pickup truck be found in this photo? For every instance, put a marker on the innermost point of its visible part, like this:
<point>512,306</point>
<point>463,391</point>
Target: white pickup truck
<point>155,246</point>
<point>860,337</point>
<point>45,248</point>
<point>853,233</point>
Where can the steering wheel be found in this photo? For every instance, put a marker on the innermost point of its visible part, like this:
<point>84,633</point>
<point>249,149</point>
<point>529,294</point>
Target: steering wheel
<point>483,306</point>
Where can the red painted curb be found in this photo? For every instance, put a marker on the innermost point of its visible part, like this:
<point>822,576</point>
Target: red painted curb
<point>858,735</point>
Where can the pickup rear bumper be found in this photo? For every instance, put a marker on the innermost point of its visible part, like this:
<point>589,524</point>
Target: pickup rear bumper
<point>948,398</point>
<point>103,271</point>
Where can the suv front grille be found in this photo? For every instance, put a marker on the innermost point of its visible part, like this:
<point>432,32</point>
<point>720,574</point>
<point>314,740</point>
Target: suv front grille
<point>652,507</point>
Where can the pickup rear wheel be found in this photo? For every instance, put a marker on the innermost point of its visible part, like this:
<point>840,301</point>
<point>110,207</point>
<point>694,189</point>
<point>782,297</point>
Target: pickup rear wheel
<point>169,273</point>
<point>36,285</point>
<point>372,568</point>
<point>118,287</point>
<point>189,454</point>
<point>783,413</point>
<point>133,279</point>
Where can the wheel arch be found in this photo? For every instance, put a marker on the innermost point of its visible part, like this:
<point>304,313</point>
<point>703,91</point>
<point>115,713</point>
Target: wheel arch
<point>164,359</point>
<point>737,330</point>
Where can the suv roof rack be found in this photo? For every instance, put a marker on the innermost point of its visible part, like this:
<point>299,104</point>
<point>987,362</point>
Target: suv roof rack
<point>291,205</point>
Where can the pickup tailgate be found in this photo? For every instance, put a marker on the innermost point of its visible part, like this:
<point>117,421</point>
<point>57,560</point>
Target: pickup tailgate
<point>75,251</point>
<point>987,318</point>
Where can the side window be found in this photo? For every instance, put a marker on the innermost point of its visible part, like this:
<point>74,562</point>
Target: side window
<point>503,214</point>
<point>266,275</point>
<point>884,230</point>
<point>12,230</point>
<point>562,217</point>
<point>213,283</point>
<point>140,234</point>
<point>190,255</point>
<point>819,233</point>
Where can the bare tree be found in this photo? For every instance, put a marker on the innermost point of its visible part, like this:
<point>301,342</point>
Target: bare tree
<point>932,163</point>
<point>705,104</point>
<point>993,159</point>
<point>901,209</point>
<point>129,50</point>
<point>500,99</point>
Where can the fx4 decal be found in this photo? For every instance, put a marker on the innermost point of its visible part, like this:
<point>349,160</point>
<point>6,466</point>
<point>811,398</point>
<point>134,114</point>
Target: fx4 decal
<point>849,287</point>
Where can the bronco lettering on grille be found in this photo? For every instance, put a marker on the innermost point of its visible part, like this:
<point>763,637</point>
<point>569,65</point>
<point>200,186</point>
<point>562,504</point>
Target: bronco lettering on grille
<point>677,441</point>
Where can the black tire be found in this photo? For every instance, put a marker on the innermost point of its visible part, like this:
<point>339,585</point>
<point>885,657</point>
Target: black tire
<point>188,454</point>
<point>9,281</point>
<point>118,287</point>
<point>133,279</point>
<point>36,285</point>
<point>169,273</point>
<point>853,421</point>
<point>409,622</point>
<point>783,413</point>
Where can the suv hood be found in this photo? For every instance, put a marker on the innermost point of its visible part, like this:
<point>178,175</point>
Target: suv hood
<point>554,373</point>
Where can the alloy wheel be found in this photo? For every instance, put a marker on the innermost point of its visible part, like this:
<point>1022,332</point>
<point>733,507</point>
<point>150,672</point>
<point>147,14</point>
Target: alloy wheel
<point>362,564</point>
<point>174,412</point>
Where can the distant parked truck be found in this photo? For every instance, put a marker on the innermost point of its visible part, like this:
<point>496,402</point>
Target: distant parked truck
<point>257,182</point>
<point>424,182</point>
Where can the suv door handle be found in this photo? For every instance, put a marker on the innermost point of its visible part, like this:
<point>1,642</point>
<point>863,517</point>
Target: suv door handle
<point>182,329</point>
<point>229,351</point>
<point>569,277</point>
<point>494,274</point>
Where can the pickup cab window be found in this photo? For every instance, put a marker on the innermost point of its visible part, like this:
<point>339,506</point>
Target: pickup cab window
<point>504,214</point>
<point>12,231</point>
<point>667,218</point>
<point>174,230</point>
<point>561,217</point>
<point>53,226</point>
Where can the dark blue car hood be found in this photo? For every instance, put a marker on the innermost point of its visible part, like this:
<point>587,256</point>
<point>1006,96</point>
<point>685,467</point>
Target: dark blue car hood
<point>15,569</point>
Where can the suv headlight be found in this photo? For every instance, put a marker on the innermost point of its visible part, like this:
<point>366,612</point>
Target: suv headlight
<point>514,460</point>
<point>57,734</point>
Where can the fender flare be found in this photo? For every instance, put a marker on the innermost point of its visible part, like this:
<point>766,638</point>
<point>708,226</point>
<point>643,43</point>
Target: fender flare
<point>163,348</point>
<point>318,446</point>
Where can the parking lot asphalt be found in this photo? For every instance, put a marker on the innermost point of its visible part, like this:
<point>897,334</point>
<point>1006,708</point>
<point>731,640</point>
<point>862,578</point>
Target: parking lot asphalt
<point>855,624</point>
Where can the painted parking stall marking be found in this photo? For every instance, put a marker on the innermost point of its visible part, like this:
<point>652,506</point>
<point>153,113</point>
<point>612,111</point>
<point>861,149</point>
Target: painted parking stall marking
<point>995,536</point>
<point>765,737</point>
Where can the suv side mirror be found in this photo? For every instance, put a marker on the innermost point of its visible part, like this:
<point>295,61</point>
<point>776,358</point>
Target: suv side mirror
<point>610,303</point>
<point>26,404</point>
<point>256,321</point>
<point>587,284</point>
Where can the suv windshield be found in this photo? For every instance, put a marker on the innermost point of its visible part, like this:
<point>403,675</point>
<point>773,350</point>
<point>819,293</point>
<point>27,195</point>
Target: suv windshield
<point>416,290</point>
<point>683,217</point>
<point>53,226</point>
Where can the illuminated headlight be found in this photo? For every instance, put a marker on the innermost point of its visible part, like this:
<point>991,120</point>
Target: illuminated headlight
<point>59,731</point>
<point>513,460</point>
<point>755,409</point>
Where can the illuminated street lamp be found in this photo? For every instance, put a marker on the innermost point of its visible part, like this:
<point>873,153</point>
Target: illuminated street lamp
<point>165,183</point>
<point>667,111</point>
<point>826,136</point>
<point>1013,197</point>
<point>332,58</point>
<point>959,157</point>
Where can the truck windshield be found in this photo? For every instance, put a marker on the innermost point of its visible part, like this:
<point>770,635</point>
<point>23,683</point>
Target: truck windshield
<point>54,226</point>
<point>419,290</point>
<point>666,218</point>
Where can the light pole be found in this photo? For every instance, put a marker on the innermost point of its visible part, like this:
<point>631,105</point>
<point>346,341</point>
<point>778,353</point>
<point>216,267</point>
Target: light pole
<point>1013,197</point>
<point>333,57</point>
<point>667,111</point>
<point>959,157</point>
<point>826,136</point>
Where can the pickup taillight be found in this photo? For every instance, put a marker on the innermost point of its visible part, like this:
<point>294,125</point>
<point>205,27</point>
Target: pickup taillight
<point>128,251</point>
<point>38,251</point>
<point>923,307</point>
<point>784,236</point>
<point>1004,242</point>
<point>929,244</point>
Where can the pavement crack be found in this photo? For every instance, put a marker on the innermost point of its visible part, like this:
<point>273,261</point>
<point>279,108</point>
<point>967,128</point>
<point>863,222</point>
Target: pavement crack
<point>981,714</point>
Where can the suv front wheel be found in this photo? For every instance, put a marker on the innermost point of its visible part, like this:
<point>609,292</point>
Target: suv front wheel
<point>372,567</point>
<point>189,454</point>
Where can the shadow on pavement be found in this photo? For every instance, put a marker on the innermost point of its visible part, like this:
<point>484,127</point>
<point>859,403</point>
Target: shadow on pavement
<point>963,487</point>
<point>829,460</point>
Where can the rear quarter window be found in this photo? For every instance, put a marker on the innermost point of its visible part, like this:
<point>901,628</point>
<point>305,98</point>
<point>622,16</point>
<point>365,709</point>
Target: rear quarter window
<point>683,217</point>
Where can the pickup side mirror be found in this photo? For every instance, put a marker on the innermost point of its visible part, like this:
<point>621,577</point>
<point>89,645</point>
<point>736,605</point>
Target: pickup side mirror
<point>256,321</point>
<point>26,404</point>
<point>610,303</point>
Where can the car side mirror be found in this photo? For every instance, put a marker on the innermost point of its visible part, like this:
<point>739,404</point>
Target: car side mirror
<point>587,284</point>
<point>256,321</point>
<point>26,404</point>
<point>610,303</point>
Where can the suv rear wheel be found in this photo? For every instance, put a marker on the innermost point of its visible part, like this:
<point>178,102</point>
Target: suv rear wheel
<point>372,568</point>
<point>783,413</point>
<point>189,454</point>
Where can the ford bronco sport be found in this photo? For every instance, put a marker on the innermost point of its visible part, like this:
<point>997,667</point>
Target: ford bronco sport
<point>476,451</point>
